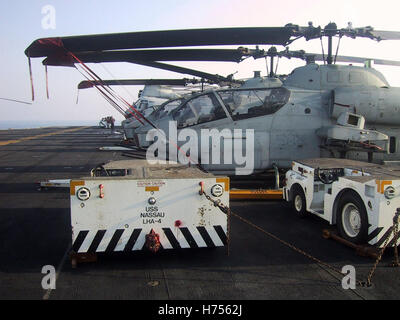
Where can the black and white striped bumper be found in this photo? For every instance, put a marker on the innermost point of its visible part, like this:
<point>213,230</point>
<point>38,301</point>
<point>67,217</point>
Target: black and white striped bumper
<point>125,240</point>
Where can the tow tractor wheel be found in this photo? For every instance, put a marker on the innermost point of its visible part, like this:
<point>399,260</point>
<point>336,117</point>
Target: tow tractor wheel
<point>352,220</point>
<point>298,201</point>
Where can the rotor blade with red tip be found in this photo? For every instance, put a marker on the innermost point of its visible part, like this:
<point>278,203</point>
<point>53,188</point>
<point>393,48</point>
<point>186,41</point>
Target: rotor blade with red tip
<point>159,39</point>
<point>135,82</point>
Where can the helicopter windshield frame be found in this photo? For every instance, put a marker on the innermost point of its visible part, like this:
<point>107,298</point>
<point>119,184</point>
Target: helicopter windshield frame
<point>193,110</point>
<point>253,102</point>
<point>160,112</point>
<point>237,104</point>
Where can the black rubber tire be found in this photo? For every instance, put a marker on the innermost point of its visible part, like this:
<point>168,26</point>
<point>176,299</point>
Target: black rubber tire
<point>354,198</point>
<point>297,191</point>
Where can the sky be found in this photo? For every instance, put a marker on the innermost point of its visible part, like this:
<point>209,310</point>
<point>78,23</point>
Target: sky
<point>22,23</point>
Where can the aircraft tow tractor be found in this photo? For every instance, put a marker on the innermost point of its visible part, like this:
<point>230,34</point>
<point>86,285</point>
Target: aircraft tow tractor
<point>361,199</point>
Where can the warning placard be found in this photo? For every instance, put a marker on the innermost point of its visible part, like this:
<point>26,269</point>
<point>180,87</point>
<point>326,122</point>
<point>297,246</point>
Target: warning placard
<point>150,183</point>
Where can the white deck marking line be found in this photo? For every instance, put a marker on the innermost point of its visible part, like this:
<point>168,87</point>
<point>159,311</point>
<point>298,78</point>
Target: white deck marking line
<point>60,266</point>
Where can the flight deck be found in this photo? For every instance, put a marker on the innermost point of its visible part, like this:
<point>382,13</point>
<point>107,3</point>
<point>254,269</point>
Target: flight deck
<point>35,231</point>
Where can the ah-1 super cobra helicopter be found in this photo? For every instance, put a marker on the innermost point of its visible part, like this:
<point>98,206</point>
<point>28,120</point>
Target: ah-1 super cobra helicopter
<point>155,93</point>
<point>319,110</point>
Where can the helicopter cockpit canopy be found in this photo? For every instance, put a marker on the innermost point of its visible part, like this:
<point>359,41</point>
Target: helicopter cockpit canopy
<point>243,104</point>
<point>166,109</point>
<point>240,104</point>
<point>200,109</point>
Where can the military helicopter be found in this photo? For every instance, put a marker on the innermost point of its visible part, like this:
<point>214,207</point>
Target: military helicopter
<point>154,94</point>
<point>149,99</point>
<point>318,110</point>
<point>334,139</point>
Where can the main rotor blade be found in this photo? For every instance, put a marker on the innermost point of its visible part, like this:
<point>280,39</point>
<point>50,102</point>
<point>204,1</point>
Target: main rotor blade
<point>214,78</point>
<point>67,60</point>
<point>386,35</point>
<point>311,32</point>
<point>319,57</point>
<point>224,55</point>
<point>158,39</point>
<point>301,54</point>
<point>134,82</point>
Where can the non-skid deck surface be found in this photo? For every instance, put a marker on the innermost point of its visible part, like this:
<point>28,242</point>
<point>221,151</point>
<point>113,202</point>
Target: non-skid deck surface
<point>35,231</point>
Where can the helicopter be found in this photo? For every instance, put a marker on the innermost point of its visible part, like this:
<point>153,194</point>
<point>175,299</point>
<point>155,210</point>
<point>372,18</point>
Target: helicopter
<point>319,110</point>
<point>154,94</point>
